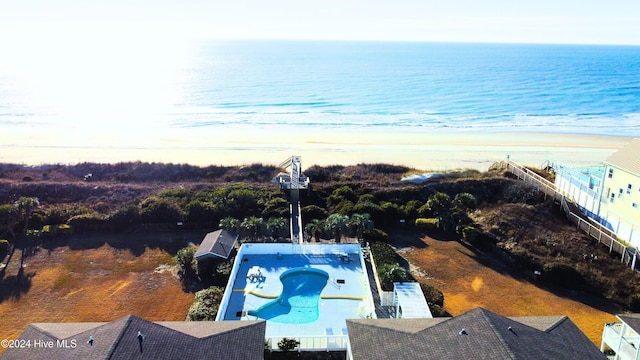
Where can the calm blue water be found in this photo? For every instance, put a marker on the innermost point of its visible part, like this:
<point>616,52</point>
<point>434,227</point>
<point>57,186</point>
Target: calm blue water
<point>300,298</point>
<point>416,86</point>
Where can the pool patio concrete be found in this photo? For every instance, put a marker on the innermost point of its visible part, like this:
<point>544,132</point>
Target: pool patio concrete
<point>347,294</point>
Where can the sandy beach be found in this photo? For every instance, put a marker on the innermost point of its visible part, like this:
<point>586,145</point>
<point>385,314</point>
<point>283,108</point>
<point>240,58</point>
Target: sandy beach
<point>238,146</point>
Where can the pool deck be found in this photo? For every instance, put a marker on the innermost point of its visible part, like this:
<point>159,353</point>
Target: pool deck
<point>346,296</point>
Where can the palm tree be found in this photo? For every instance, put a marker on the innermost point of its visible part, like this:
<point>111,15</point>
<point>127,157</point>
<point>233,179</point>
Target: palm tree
<point>439,204</point>
<point>462,204</point>
<point>315,227</point>
<point>276,225</point>
<point>252,225</point>
<point>25,206</point>
<point>9,217</point>
<point>390,273</point>
<point>361,223</point>
<point>336,224</point>
<point>230,224</point>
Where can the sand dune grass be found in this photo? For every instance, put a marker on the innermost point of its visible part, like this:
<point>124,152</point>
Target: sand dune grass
<point>470,279</point>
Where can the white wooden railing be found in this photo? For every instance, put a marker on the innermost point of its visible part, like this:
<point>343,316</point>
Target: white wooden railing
<point>312,343</point>
<point>595,230</point>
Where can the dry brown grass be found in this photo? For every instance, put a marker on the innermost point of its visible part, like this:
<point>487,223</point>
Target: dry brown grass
<point>99,284</point>
<point>469,280</point>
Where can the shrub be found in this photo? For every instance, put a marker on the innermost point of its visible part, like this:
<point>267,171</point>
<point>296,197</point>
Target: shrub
<point>521,192</point>
<point>205,305</point>
<point>472,234</point>
<point>224,268</point>
<point>276,207</point>
<point>185,259</point>
<point>311,212</point>
<point>563,275</point>
<point>427,224</point>
<point>375,235</point>
<point>438,311</point>
<point>86,222</point>
<point>634,302</point>
<point>383,254</point>
<point>64,229</point>
<point>4,245</point>
<point>57,229</point>
<point>433,295</point>
<point>202,212</point>
<point>124,218</point>
<point>160,210</point>
<point>286,344</point>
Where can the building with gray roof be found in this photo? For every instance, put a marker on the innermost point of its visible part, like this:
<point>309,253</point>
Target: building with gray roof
<point>132,337</point>
<point>477,334</point>
<point>218,244</point>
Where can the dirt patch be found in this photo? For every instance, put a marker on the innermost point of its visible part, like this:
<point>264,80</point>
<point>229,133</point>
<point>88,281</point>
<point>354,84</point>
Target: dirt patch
<point>470,279</point>
<point>99,284</point>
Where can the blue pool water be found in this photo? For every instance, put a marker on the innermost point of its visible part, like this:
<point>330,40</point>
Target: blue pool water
<point>298,303</point>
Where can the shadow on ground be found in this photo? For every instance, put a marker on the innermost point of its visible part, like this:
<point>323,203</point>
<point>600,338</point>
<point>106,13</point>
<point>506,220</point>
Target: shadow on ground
<point>14,286</point>
<point>499,262</point>
<point>136,243</point>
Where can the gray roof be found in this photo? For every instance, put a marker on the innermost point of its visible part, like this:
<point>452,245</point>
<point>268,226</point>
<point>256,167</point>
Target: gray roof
<point>477,334</point>
<point>171,340</point>
<point>627,158</point>
<point>633,320</point>
<point>219,243</point>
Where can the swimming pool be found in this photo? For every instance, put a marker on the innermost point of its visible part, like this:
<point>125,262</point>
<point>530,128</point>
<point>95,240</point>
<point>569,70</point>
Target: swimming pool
<point>300,298</point>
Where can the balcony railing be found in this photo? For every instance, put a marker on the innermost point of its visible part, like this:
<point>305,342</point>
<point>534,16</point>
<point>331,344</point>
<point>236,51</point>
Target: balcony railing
<point>624,345</point>
<point>313,343</point>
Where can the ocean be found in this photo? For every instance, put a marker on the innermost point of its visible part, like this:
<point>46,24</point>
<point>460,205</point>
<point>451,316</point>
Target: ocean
<point>413,87</point>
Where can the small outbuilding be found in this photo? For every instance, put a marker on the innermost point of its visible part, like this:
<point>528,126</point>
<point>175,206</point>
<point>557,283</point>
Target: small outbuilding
<point>219,244</point>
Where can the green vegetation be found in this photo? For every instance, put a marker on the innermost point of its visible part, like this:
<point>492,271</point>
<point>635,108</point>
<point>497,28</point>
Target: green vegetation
<point>57,229</point>
<point>435,299</point>
<point>388,265</point>
<point>427,224</point>
<point>491,211</point>
<point>206,304</point>
<point>390,273</point>
<point>4,245</point>
<point>286,344</point>
<point>563,275</point>
<point>185,259</point>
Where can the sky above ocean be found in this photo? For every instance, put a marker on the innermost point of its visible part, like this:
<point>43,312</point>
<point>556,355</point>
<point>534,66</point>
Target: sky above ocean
<point>542,21</point>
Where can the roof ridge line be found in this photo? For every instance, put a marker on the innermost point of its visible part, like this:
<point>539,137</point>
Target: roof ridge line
<point>114,345</point>
<point>244,327</point>
<point>502,340</point>
<point>556,324</point>
<point>42,331</point>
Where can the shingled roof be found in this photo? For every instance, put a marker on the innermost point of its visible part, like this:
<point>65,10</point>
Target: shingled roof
<point>164,340</point>
<point>633,320</point>
<point>477,334</point>
<point>219,243</point>
<point>627,158</point>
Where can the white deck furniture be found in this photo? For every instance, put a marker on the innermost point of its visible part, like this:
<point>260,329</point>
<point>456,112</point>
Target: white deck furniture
<point>255,274</point>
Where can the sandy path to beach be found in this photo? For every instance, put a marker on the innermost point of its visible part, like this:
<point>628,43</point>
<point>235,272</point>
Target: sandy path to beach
<point>238,146</point>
